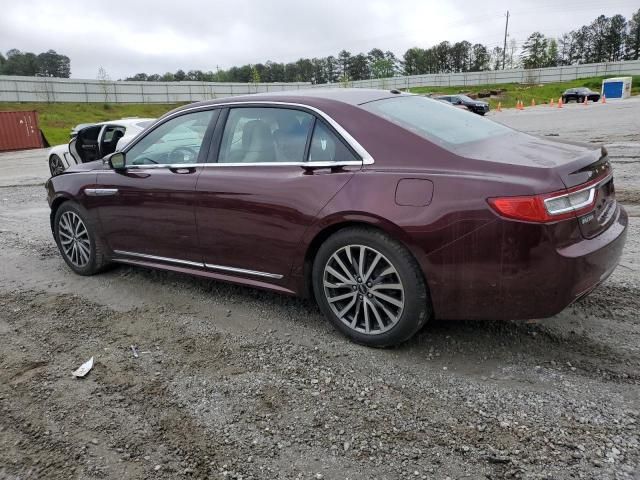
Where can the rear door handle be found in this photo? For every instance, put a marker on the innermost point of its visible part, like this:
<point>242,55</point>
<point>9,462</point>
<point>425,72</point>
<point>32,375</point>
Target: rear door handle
<point>182,170</point>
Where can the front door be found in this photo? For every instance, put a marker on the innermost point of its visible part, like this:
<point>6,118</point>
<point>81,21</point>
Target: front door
<point>147,210</point>
<point>85,146</point>
<point>259,194</point>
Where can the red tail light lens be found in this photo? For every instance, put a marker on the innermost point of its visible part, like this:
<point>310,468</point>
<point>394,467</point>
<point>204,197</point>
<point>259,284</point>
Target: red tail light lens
<point>528,209</point>
<point>549,207</point>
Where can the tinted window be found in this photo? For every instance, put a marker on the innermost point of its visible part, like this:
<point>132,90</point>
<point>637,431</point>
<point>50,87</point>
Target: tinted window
<point>253,135</point>
<point>176,141</point>
<point>326,147</point>
<point>435,121</point>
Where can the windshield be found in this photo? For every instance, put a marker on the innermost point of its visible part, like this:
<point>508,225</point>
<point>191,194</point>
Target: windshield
<point>436,121</point>
<point>465,98</point>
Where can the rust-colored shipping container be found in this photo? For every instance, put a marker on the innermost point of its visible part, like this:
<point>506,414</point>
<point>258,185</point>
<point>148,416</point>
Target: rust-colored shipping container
<point>19,131</point>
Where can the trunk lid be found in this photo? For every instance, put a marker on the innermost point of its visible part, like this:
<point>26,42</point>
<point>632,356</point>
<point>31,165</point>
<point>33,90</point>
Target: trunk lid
<point>574,164</point>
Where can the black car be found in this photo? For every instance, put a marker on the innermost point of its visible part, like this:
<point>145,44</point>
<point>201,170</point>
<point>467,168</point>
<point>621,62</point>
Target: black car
<point>463,101</point>
<point>579,94</point>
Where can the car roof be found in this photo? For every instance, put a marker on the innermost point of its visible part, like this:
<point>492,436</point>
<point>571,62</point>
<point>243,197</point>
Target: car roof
<point>313,97</point>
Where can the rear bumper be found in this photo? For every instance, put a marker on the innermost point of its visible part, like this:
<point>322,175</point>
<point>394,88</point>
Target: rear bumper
<point>524,276</point>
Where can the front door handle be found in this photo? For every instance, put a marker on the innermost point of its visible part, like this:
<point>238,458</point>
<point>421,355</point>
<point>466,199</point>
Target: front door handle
<point>182,170</point>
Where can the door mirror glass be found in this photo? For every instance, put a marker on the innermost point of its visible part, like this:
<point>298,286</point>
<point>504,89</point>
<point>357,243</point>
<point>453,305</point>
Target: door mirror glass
<point>117,161</point>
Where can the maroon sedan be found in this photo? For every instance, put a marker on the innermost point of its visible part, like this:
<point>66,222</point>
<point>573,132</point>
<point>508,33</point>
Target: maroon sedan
<point>389,208</point>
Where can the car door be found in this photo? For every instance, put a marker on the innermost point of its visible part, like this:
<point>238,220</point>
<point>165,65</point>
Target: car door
<point>147,209</point>
<point>271,170</point>
<point>109,138</point>
<point>85,146</point>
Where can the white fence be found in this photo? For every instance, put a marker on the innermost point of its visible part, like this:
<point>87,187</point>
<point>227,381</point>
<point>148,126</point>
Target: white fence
<point>532,76</point>
<point>41,89</point>
<point>36,89</point>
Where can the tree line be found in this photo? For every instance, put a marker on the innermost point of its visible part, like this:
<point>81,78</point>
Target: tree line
<point>604,39</point>
<point>28,64</point>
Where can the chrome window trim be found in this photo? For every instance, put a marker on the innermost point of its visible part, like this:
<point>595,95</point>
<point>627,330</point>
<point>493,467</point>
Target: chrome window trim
<point>197,264</point>
<point>242,270</point>
<point>593,188</point>
<point>367,159</point>
<point>319,164</point>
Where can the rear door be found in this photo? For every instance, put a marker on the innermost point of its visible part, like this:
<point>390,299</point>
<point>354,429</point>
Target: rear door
<point>258,193</point>
<point>147,211</point>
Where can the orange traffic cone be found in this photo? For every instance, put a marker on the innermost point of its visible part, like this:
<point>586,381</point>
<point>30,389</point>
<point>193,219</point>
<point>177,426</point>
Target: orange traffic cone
<point>586,101</point>
<point>499,109</point>
<point>604,98</point>
<point>560,102</point>
<point>533,102</point>
<point>551,103</point>
<point>520,107</point>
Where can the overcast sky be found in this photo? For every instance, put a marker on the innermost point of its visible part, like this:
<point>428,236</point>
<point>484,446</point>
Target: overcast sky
<point>127,37</point>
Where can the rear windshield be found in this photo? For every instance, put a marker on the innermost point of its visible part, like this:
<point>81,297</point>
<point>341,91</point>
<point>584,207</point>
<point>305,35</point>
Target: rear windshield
<point>436,121</point>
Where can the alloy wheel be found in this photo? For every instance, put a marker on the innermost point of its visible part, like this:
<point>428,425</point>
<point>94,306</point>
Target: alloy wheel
<point>363,289</point>
<point>74,239</point>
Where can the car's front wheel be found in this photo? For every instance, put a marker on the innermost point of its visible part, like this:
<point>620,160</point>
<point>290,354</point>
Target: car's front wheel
<point>370,287</point>
<point>77,241</point>
<point>56,167</point>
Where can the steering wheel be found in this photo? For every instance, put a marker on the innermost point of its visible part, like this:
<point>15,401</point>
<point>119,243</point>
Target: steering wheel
<point>183,155</point>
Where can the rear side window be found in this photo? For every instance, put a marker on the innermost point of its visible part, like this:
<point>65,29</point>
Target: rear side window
<point>265,135</point>
<point>436,121</point>
<point>327,147</point>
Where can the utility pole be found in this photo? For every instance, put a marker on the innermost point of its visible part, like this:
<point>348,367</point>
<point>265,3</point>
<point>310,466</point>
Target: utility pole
<point>504,49</point>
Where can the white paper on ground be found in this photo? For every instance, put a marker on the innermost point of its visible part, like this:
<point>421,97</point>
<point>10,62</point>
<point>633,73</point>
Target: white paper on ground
<point>84,368</point>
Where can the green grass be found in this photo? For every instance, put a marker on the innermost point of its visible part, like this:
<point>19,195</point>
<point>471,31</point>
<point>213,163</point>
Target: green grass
<point>56,119</point>
<point>541,93</point>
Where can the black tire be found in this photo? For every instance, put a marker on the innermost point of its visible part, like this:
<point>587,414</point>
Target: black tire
<point>416,309</point>
<point>56,167</point>
<point>97,258</point>
<point>580,99</point>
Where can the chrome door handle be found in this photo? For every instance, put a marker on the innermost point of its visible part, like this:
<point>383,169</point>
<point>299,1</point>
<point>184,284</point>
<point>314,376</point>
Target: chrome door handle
<point>182,170</point>
<point>100,192</point>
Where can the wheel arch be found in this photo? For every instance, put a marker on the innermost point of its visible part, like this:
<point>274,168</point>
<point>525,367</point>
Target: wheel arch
<point>55,205</point>
<point>329,227</point>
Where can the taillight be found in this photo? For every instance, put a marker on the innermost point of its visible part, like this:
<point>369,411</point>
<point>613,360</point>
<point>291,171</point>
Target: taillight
<point>549,207</point>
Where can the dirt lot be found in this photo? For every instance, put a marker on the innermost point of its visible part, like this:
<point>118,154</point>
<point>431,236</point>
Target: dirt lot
<point>235,383</point>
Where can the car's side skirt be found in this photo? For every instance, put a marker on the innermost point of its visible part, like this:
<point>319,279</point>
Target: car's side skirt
<point>196,269</point>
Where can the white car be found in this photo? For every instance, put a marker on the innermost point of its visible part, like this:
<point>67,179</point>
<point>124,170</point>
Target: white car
<point>94,141</point>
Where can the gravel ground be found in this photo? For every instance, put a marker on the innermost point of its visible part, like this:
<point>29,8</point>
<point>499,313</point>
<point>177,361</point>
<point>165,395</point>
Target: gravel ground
<point>231,382</point>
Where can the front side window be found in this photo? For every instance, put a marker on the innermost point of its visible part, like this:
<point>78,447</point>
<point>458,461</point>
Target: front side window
<point>265,135</point>
<point>435,121</point>
<point>176,141</point>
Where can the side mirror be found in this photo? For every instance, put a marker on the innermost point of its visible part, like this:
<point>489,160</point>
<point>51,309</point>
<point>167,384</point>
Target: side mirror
<point>116,160</point>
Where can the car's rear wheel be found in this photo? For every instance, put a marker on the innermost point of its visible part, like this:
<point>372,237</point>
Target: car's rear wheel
<point>370,287</point>
<point>56,167</point>
<point>77,241</point>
